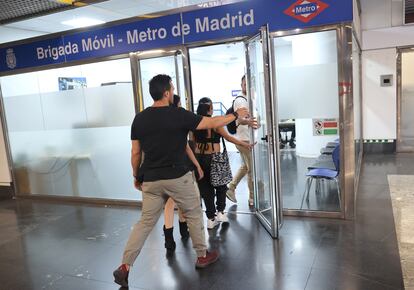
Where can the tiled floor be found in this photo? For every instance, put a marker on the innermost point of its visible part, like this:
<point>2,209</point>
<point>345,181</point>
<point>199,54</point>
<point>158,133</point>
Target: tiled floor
<point>70,246</point>
<point>401,188</point>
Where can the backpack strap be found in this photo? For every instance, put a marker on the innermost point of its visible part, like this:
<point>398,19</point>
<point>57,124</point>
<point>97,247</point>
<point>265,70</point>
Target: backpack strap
<point>236,99</point>
<point>224,144</point>
<point>237,125</point>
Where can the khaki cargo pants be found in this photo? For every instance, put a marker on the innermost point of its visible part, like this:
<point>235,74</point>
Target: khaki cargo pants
<point>185,194</point>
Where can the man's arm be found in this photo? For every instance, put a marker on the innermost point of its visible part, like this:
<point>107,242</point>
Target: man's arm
<point>136,161</point>
<point>220,121</point>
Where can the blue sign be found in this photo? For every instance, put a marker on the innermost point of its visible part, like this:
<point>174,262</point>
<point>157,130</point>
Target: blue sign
<point>227,21</point>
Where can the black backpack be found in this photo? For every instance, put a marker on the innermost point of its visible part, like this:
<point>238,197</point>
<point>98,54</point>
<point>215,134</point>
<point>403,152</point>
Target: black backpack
<point>232,127</point>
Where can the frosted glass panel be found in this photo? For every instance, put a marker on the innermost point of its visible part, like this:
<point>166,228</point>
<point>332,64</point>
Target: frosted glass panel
<point>64,110</point>
<point>314,87</point>
<point>307,74</point>
<point>72,142</point>
<point>109,105</point>
<point>24,113</point>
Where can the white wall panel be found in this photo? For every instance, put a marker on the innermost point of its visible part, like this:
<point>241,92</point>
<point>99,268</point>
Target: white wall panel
<point>388,37</point>
<point>375,14</point>
<point>379,103</point>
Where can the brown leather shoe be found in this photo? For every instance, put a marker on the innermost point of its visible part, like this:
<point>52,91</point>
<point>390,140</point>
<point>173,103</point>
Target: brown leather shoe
<point>121,276</point>
<point>209,258</point>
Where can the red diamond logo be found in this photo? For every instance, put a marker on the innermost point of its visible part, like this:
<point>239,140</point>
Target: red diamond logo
<point>306,10</point>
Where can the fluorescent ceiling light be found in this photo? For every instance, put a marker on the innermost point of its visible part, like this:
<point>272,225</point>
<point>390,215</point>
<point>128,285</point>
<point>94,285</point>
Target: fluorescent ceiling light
<point>82,22</point>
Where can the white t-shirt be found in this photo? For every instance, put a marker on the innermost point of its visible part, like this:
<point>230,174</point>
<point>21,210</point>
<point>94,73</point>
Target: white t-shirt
<point>242,132</point>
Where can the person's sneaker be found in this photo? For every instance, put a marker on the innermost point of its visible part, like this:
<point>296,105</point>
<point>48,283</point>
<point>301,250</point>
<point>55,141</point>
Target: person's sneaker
<point>222,217</point>
<point>121,276</point>
<point>251,202</point>
<point>231,195</point>
<point>208,259</point>
<point>212,223</point>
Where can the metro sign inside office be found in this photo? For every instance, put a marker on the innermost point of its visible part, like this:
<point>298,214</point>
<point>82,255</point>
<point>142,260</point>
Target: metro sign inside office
<point>306,10</point>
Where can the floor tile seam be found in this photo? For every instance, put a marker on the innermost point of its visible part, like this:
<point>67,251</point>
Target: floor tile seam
<point>314,258</point>
<point>308,278</point>
<point>378,282</point>
<point>96,280</point>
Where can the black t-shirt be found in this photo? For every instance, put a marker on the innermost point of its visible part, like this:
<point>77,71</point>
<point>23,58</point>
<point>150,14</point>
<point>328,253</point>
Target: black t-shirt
<point>162,133</point>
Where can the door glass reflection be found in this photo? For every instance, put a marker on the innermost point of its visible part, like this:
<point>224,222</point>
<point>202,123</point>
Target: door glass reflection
<point>261,154</point>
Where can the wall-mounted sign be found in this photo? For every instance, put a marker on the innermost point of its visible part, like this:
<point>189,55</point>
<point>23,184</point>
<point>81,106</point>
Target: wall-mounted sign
<point>221,22</point>
<point>235,93</point>
<point>71,83</point>
<point>324,127</point>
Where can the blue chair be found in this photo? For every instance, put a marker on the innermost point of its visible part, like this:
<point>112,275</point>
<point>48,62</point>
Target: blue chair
<point>320,174</point>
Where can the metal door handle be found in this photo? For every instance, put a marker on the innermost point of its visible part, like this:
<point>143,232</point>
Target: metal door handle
<point>265,138</point>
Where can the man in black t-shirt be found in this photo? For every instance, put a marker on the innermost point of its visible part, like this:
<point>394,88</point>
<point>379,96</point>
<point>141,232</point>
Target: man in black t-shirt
<point>160,132</point>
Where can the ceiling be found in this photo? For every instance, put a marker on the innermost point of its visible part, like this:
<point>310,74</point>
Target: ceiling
<point>12,10</point>
<point>110,10</point>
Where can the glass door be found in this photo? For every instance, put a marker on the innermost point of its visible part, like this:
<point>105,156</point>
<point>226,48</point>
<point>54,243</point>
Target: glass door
<point>306,92</point>
<point>267,200</point>
<point>151,63</point>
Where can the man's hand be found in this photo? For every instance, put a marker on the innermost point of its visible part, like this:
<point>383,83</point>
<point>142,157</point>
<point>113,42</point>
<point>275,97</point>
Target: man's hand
<point>242,113</point>
<point>137,185</point>
<point>251,122</point>
<point>249,146</point>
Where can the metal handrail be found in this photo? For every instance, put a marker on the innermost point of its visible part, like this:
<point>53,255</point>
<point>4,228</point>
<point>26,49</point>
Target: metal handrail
<point>221,110</point>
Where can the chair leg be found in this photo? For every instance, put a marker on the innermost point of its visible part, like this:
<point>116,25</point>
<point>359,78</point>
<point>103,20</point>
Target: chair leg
<point>339,193</point>
<point>309,188</point>
<point>305,192</point>
<point>317,186</point>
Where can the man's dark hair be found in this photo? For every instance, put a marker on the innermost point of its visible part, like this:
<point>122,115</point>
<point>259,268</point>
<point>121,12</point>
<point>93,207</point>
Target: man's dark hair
<point>158,85</point>
<point>243,78</point>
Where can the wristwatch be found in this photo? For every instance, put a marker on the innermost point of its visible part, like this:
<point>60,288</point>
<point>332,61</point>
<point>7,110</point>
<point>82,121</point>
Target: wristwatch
<point>235,114</point>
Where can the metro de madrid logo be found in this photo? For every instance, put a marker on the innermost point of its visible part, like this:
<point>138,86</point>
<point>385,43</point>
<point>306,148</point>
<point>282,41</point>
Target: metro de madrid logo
<point>306,10</point>
<point>10,58</point>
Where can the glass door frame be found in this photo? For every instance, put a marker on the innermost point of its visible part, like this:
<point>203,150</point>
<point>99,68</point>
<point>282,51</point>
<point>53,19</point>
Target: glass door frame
<point>136,57</point>
<point>346,120</point>
<point>275,224</point>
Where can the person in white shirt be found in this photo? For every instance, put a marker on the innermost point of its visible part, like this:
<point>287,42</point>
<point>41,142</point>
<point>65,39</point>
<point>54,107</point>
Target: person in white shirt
<point>243,134</point>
